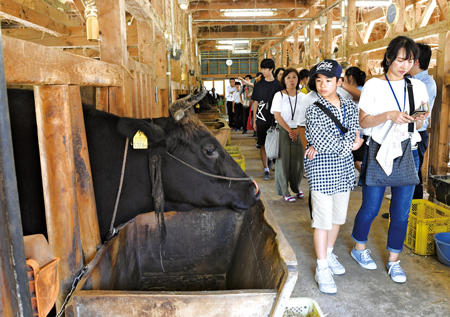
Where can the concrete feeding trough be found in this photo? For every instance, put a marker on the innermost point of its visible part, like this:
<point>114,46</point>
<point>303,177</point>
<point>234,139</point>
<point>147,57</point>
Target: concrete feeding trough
<point>214,263</point>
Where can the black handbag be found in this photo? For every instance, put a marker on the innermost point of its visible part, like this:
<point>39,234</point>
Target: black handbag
<point>403,171</point>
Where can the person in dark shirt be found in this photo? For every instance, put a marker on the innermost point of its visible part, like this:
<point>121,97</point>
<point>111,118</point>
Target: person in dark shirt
<point>262,96</point>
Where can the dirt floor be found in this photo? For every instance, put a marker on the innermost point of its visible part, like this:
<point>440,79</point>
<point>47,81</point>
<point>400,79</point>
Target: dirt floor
<point>360,292</point>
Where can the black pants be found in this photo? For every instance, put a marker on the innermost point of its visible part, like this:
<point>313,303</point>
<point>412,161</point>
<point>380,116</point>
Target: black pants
<point>421,148</point>
<point>238,115</point>
<point>230,114</point>
<point>246,112</point>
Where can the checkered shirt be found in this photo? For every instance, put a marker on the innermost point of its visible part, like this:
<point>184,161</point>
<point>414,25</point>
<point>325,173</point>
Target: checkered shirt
<point>331,171</point>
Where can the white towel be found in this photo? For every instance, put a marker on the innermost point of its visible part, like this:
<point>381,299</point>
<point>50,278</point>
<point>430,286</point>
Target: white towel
<point>391,148</point>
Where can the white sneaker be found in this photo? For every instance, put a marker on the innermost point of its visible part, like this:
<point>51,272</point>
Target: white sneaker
<point>396,272</point>
<point>324,278</point>
<point>334,265</point>
<point>388,197</point>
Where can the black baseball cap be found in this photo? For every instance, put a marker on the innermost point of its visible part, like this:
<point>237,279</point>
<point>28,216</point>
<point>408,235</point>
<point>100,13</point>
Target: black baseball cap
<point>327,67</point>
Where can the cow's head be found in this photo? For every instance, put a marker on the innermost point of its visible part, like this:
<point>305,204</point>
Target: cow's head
<point>190,185</point>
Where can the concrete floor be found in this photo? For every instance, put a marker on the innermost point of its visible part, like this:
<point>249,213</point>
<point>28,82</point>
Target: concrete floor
<point>360,292</point>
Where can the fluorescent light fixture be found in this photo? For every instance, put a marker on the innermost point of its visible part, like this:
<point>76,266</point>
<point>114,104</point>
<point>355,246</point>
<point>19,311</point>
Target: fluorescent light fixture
<point>224,47</point>
<point>235,42</point>
<point>242,51</point>
<point>373,3</point>
<point>300,39</point>
<point>247,12</point>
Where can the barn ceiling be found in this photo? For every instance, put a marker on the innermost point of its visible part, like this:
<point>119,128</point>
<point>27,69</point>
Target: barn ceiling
<point>47,21</point>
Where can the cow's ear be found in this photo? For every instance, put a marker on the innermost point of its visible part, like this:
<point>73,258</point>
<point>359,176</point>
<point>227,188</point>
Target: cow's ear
<point>155,134</point>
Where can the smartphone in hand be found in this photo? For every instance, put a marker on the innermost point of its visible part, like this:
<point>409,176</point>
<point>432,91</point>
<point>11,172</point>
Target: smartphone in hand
<point>424,108</point>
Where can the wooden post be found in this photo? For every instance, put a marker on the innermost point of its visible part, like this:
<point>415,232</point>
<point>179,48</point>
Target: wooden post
<point>439,136</point>
<point>296,50</point>
<point>329,35</point>
<point>351,23</point>
<point>278,57</point>
<point>87,209</point>
<point>400,26</point>
<point>285,51</point>
<point>54,124</point>
<point>14,286</point>
<point>113,48</point>
<point>312,37</point>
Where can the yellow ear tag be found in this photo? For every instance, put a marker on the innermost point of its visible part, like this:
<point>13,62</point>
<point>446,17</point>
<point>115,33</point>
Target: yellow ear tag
<point>140,141</point>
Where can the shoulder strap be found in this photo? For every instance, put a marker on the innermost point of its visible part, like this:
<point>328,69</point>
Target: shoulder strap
<point>411,103</point>
<point>332,116</point>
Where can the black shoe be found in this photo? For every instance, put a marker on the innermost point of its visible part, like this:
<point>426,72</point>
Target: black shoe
<point>266,176</point>
<point>258,146</point>
<point>385,215</point>
<point>244,132</point>
<point>254,134</point>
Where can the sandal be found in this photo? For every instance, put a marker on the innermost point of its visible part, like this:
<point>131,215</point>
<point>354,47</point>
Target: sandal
<point>300,194</point>
<point>289,198</point>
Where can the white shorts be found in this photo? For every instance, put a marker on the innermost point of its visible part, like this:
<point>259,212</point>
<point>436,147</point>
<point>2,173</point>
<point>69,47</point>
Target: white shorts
<point>328,210</point>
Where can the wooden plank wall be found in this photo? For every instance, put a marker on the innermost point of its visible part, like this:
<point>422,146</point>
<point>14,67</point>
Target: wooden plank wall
<point>130,79</point>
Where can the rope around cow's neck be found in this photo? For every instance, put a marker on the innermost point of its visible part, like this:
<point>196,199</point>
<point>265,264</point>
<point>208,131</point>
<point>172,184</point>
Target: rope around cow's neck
<point>112,231</point>
<point>208,174</point>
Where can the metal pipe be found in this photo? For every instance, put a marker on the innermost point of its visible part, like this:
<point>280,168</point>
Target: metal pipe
<point>12,248</point>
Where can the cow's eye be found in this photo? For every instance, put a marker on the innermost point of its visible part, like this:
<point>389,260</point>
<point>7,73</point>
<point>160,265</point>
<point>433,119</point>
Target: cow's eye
<point>211,151</point>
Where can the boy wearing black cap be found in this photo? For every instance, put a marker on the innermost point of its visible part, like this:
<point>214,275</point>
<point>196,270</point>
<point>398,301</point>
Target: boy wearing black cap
<point>329,166</point>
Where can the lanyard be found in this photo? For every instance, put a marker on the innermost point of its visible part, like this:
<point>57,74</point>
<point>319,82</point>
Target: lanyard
<point>295,108</point>
<point>404,95</point>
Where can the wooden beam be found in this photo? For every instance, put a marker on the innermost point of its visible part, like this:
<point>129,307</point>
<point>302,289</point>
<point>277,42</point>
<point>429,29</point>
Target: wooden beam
<point>368,32</point>
<point>408,22</point>
<point>30,18</point>
<point>230,35</point>
<point>374,14</point>
<point>50,11</point>
<point>144,11</point>
<point>414,34</point>
<point>215,15</point>
<point>443,7</point>
<point>426,15</point>
<point>29,63</point>
<point>271,4</point>
<point>53,104</point>
<point>74,37</point>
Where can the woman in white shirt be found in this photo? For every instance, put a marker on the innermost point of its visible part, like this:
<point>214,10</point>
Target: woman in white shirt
<point>286,109</point>
<point>384,102</point>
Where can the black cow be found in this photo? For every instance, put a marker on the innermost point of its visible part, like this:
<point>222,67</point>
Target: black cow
<point>184,188</point>
<point>206,103</point>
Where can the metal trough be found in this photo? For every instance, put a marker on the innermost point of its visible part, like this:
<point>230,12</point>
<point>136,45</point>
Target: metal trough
<point>216,263</point>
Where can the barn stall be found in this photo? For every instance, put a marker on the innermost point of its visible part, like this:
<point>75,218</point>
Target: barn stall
<point>129,71</point>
